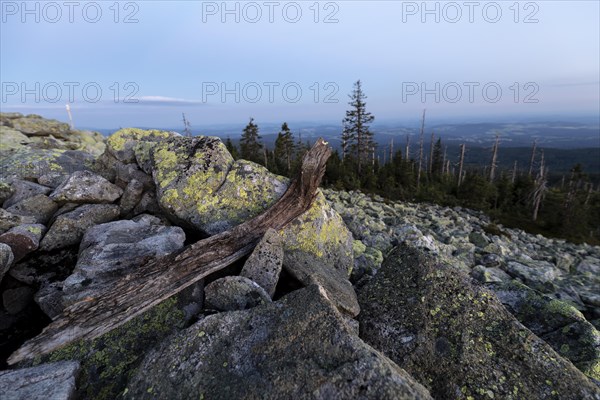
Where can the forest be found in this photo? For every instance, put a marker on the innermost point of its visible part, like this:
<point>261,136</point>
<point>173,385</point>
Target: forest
<point>518,197</point>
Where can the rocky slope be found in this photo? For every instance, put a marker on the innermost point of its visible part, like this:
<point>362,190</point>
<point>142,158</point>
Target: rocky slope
<point>356,298</point>
<point>551,286</point>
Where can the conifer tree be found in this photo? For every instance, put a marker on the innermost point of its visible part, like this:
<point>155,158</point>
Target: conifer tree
<point>231,148</point>
<point>284,148</point>
<point>250,144</point>
<point>356,131</point>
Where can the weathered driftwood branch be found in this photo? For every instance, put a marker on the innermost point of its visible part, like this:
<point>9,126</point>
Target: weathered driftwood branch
<point>161,278</point>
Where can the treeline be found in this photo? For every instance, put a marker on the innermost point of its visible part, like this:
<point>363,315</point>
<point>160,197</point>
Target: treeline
<point>520,197</point>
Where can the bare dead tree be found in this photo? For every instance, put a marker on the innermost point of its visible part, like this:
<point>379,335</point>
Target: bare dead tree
<point>461,163</point>
<point>532,160</point>
<point>407,150</point>
<point>391,150</point>
<point>187,131</point>
<point>444,169</point>
<point>514,173</point>
<point>164,277</point>
<point>430,165</point>
<point>421,137</point>
<point>494,158</point>
<point>540,188</point>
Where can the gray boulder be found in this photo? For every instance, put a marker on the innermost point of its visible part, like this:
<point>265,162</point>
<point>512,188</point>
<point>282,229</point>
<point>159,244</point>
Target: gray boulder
<point>86,187</point>
<point>9,220</point>
<point>54,381</point>
<point>264,264</point>
<point>31,163</point>
<point>457,338</point>
<point>68,228</point>
<point>233,293</point>
<point>131,196</point>
<point>40,207</point>
<point>23,190</point>
<point>296,348</point>
<point>560,324</point>
<point>111,250</point>
<point>37,126</point>
<point>23,239</point>
<point>49,299</point>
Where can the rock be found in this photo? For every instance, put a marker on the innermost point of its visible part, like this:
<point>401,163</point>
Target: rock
<point>319,237</point>
<point>589,265</point>
<point>9,220</point>
<point>264,264</point>
<point>125,173</point>
<point>40,127</point>
<point>86,187</point>
<point>6,190</point>
<point>457,338</point>
<point>31,164</point>
<point>560,324</point>
<point>23,190</point>
<point>233,293</point>
<point>12,138</point>
<point>23,239</point>
<point>213,194</point>
<point>121,144</point>
<point>147,205</point>
<point>68,229</point>
<point>333,281</point>
<point>41,268</point>
<point>39,207</point>
<point>110,360</point>
<point>15,300</point>
<point>131,196</point>
<point>54,381</point>
<point>358,248</point>
<point>49,299</point>
<point>533,275</point>
<point>6,259</point>
<point>111,250</point>
<point>296,348</point>
<point>489,275</point>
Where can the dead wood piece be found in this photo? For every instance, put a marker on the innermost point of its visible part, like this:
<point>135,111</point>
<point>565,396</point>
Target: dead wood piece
<point>161,278</point>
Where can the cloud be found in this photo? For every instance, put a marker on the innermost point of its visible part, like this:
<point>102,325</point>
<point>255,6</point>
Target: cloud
<point>167,101</point>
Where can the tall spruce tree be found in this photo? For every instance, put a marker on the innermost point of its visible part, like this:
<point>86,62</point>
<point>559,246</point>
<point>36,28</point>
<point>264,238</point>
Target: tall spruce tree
<point>250,144</point>
<point>284,149</point>
<point>356,135</point>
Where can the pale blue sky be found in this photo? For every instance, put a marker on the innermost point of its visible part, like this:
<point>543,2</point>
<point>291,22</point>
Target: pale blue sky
<point>178,51</point>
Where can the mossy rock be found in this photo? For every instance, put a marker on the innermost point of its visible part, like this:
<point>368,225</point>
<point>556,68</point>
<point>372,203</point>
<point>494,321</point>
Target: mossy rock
<point>30,163</point>
<point>559,323</point>
<point>12,139</point>
<point>37,126</point>
<point>200,185</point>
<point>110,360</point>
<point>121,144</point>
<point>319,236</point>
<point>456,338</point>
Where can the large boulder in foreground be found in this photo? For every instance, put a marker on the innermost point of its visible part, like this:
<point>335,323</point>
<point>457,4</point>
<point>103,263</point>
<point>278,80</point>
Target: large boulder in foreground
<point>296,348</point>
<point>54,381</point>
<point>457,338</point>
<point>110,360</point>
<point>560,324</point>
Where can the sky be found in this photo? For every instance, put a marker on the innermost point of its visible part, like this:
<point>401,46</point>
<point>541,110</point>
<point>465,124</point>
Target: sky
<point>144,63</point>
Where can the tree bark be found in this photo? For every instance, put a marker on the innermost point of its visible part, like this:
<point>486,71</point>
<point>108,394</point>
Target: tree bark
<point>164,277</point>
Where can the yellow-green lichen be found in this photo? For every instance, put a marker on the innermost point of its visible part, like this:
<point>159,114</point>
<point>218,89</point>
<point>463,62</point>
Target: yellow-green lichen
<point>320,229</point>
<point>36,230</point>
<point>118,140</point>
<point>108,361</point>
